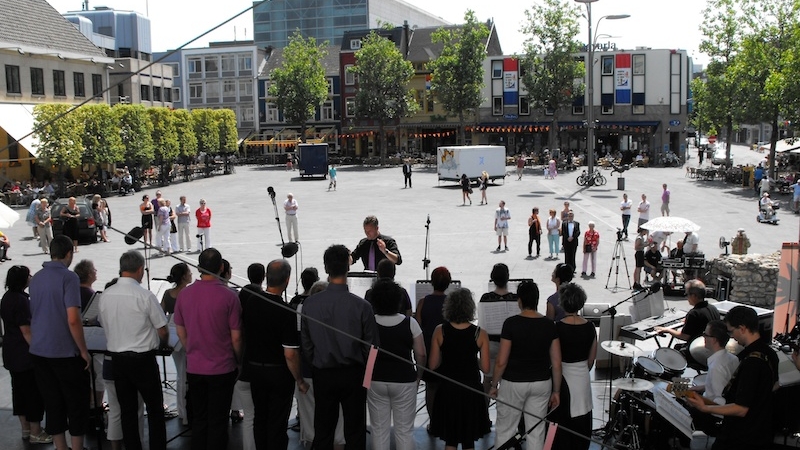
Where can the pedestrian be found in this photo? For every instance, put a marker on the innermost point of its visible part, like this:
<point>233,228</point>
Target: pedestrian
<point>484,183</point>
<point>290,206</point>
<point>591,239</point>
<point>203,217</point>
<point>625,206</point>
<point>70,215</point>
<point>332,174</point>
<point>163,227</point>
<point>173,229</point>
<point>740,243</point>
<point>104,216</point>
<point>501,218</point>
<point>45,224</point>
<point>407,173</point>
<point>30,219</point>
<point>520,166</point>
<point>466,189</point>
<point>639,245</point>
<point>665,194</point>
<point>796,197</point>
<point>147,210</point>
<point>570,236</point>
<point>183,211</point>
<point>534,232</point>
<point>553,231</point>
<point>644,210</point>
<point>551,169</point>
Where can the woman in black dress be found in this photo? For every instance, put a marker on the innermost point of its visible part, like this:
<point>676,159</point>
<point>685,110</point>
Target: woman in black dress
<point>25,396</point>
<point>70,215</point>
<point>460,416</point>
<point>578,351</point>
<point>147,209</point>
<point>466,189</point>
<point>429,316</point>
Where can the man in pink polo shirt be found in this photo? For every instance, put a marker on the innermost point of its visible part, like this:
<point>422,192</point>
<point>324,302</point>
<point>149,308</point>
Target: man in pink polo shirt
<point>207,316</point>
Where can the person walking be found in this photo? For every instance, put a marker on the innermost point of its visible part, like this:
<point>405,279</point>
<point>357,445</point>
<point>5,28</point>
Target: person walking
<point>553,231</point>
<point>466,189</point>
<point>534,232</point>
<point>591,240</point>
<point>665,194</point>
<point>501,218</point>
<point>332,174</point>
<point>290,206</point>
<point>203,217</point>
<point>407,173</point>
<point>484,183</point>
<point>520,166</point>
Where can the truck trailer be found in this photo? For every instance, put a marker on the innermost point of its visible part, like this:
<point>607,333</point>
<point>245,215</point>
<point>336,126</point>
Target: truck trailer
<point>312,160</point>
<point>472,160</point>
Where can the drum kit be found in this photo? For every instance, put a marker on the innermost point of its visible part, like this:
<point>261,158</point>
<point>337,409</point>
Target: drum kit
<point>635,409</point>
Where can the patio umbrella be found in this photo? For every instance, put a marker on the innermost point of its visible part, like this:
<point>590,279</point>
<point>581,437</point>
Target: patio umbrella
<point>7,216</point>
<point>671,225</point>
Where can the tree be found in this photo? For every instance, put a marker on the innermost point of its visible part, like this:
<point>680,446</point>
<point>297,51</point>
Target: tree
<point>457,74</point>
<point>187,140</point>
<point>206,129</point>
<point>383,76</point>
<point>102,143</point>
<point>60,136</point>
<point>299,84</point>
<point>228,134</point>
<point>165,140</point>
<point>136,131</point>
<point>549,68</point>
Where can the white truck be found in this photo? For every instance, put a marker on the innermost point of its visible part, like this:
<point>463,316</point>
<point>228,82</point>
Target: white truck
<point>471,160</point>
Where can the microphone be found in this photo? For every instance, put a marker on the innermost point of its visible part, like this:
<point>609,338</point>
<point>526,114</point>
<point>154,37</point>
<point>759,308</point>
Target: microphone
<point>134,235</point>
<point>271,192</point>
<point>160,279</point>
<point>429,219</point>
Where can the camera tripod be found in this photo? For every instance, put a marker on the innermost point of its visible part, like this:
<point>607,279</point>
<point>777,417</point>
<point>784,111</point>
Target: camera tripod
<point>619,251</point>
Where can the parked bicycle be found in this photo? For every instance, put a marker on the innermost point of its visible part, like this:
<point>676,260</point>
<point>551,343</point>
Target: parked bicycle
<point>595,179</point>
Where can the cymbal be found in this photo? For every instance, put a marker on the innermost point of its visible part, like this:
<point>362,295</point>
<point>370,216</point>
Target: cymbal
<point>632,384</point>
<point>620,348</point>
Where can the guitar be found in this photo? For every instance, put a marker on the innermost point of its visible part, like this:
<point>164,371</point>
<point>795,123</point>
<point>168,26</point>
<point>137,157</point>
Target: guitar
<point>681,388</point>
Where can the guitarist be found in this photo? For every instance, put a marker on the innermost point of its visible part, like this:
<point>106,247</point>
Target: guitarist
<point>747,414</point>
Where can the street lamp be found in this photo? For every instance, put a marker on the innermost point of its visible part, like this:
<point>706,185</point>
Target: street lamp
<point>590,79</point>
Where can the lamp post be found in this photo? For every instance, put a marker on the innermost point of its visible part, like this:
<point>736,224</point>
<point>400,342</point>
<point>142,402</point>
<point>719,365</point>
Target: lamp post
<point>590,124</point>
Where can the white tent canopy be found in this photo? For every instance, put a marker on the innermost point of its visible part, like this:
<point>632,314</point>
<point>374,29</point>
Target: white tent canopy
<point>788,145</point>
<point>17,120</point>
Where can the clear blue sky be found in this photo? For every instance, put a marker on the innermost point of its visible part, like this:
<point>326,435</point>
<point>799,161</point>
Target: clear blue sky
<point>672,25</point>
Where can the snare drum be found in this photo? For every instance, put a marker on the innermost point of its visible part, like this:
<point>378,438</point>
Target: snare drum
<point>647,368</point>
<point>700,380</point>
<point>673,362</point>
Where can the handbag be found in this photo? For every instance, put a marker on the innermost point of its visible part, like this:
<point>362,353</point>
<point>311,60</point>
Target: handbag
<point>587,248</point>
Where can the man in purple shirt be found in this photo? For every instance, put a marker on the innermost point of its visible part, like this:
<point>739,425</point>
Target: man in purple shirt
<point>207,319</point>
<point>58,347</point>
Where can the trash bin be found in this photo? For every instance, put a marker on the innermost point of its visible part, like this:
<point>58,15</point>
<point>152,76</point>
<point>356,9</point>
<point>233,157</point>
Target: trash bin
<point>620,184</point>
<point>747,176</point>
<point>723,288</point>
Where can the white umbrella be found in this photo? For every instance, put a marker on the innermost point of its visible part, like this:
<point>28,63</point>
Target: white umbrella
<point>7,216</point>
<point>670,224</point>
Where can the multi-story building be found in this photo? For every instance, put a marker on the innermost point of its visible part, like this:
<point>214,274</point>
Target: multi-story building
<point>125,35</point>
<point>50,62</point>
<point>640,103</point>
<point>327,20</point>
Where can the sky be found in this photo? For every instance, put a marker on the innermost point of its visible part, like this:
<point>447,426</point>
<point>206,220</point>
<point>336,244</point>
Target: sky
<point>658,25</point>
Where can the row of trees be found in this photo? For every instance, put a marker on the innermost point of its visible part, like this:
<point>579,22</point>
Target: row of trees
<point>133,134</point>
<point>752,76</point>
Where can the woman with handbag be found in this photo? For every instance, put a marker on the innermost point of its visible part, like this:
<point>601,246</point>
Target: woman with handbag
<point>466,189</point>
<point>591,239</point>
<point>534,232</point>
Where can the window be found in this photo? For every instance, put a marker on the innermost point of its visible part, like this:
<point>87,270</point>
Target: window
<point>524,106</point>
<point>355,44</point>
<point>228,63</point>
<point>350,107</point>
<point>327,110</point>
<point>167,95</point>
<point>577,111</point>
<point>145,92</point>
<point>59,83</point>
<point>13,85</point>
<point>245,62</point>
<point>176,94</point>
<point>97,85</point>
<point>549,112</point>
<point>195,66</point>
<point>229,88</point>
<point>212,66</point>
<point>156,93</point>
<point>247,115</point>
<point>195,91</point>
<point>497,106</point>
<point>638,109</point>
<point>37,81</point>
<point>497,69</point>
<point>638,64</point>
<point>349,76</point>
<point>245,88</point>
<point>80,87</point>
<point>212,91</point>
<point>607,109</point>
<point>429,103</point>
<point>608,65</point>
<point>272,113</point>
<point>330,86</point>
<point>176,70</point>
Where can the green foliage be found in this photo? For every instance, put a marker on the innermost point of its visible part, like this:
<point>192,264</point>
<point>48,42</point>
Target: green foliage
<point>457,77</point>
<point>206,129</point>
<point>184,127</point>
<point>136,131</point>
<point>228,134</point>
<point>299,84</point>
<point>60,135</point>
<point>102,143</point>
<point>165,135</point>
<point>549,68</point>
<point>383,76</point>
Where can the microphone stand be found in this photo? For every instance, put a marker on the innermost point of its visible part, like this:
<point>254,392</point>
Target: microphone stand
<point>426,260</point>
<point>277,217</point>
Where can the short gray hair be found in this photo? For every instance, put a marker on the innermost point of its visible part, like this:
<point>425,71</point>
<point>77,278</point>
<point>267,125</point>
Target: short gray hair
<point>131,261</point>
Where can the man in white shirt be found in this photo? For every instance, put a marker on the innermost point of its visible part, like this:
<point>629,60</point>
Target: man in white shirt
<point>135,326</point>
<point>290,206</point>
<point>625,206</point>
<point>721,364</point>
<point>644,210</point>
<point>691,243</point>
<point>184,213</point>
<point>501,218</point>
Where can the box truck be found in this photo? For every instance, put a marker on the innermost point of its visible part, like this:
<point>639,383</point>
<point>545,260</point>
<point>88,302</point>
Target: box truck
<point>312,160</point>
<point>471,160</point>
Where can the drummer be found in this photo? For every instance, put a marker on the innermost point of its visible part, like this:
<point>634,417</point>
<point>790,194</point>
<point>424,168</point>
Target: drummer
<point>696,319</point>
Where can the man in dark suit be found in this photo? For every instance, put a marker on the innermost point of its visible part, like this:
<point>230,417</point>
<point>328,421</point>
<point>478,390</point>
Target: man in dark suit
<point>407,173</point>
<point>570,234</point>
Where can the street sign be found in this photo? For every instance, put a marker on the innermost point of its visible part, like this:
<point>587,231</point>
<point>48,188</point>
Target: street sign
<point>674,123</point>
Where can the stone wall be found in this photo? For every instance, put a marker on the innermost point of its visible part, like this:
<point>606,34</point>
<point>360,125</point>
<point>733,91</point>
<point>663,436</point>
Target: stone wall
<point>754,278</point>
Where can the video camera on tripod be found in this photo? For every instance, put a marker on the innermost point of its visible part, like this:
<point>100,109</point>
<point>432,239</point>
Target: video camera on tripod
<point>619,234</point>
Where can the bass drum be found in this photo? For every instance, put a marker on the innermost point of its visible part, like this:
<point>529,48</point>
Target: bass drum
<point>647,368</point>
<point>700,380</point>
<point>700,353</point>
<point>673,362</point>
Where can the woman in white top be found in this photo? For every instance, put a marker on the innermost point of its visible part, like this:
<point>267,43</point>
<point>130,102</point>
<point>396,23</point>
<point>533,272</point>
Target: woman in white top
<point>553,230</point>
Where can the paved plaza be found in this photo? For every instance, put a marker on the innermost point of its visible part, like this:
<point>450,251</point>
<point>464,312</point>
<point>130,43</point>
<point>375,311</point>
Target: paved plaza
<point>244,228</point>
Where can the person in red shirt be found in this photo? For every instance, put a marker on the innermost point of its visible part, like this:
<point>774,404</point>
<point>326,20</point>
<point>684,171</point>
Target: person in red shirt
<point>591,239</point>
<point>203,216</point>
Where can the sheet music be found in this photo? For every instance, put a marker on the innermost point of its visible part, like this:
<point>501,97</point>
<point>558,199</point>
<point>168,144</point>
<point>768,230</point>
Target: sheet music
<point>92,308</point>
<point>650,306</point>
<point>491,315</point>
<point>423,288</point>
<point>360,282</point>
<point>669,408</point>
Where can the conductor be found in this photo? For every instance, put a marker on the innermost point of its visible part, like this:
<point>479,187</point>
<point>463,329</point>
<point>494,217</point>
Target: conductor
<point>375,247</point>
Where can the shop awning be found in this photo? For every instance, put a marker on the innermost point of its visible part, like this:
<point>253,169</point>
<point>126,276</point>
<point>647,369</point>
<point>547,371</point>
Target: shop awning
<point>17,120</point>
<point>788,145</point>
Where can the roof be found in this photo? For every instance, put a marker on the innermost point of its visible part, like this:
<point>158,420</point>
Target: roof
<point>423,49</point>
<point>330,63</point>
<point>36,24</point>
